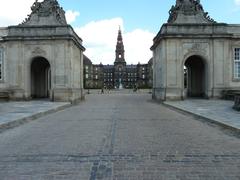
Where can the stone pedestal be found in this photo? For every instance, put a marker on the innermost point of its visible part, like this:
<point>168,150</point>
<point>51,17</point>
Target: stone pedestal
<point>237,103</point>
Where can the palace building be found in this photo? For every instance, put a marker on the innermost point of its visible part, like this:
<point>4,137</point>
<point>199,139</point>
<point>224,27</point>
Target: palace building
<point>194,56</point>
<point>120,74</point>
<point>42,57</point>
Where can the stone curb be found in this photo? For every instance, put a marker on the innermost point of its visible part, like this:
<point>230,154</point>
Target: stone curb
<point>221,124</point>
<point>21,121</point>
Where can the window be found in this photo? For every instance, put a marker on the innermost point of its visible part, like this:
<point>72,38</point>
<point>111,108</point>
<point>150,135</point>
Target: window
<point>1,63</point>
<point>86,75</point>
<point>237,63</point>
<point>143,76</point>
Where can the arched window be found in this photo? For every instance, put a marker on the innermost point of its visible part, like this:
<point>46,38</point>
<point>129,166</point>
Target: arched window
<point>237,63</point>
<point>1,63</point>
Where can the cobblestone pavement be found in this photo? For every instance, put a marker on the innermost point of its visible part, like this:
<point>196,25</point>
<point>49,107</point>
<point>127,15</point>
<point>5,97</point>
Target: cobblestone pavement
<point>119,137</point>
<point>117,91</point>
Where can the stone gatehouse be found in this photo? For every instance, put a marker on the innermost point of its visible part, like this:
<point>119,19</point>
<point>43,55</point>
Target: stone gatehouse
<point>42,57</point>
<point>194,56</point>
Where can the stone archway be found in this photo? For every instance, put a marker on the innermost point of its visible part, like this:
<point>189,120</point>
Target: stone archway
<point>40,78</point>
<point>195,77</point>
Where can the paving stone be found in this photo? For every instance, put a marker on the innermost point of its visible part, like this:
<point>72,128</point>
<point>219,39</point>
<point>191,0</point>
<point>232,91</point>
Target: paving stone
<point>219,111</point>
<point>16,113</point>
<point>119,137</point>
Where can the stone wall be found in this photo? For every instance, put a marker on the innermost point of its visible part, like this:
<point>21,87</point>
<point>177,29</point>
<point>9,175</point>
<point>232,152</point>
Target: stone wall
<point>44,36</point>
<point>176,44</point>
<point>64,55</point>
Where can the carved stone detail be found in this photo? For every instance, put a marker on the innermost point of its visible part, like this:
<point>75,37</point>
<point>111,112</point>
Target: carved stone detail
<point>45,9</point>
<point>197,47</point>
<point>38,51</point>
<point>188,8</point>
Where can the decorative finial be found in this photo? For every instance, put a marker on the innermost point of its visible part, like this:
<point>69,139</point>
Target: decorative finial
<point>188,8</point>
<point>46,9</point>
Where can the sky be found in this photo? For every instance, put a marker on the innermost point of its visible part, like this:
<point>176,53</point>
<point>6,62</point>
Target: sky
<point>97,23</point>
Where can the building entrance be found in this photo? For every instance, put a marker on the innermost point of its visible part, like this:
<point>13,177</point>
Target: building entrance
<point>195,77</point>
<point>40,78</point>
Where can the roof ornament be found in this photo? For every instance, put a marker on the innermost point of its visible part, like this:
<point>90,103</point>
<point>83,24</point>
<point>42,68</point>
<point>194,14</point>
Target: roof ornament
<point>47,12</point>
<point>189,8</point>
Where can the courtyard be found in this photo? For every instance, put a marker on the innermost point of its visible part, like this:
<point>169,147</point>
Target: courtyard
<point>119,136</point>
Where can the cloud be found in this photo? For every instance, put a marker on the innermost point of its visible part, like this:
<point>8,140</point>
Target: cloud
<point>100,38</point>
<point>9,8</point>
<point>71,16</point>
<point>237,2</point>
<point>137,46</point>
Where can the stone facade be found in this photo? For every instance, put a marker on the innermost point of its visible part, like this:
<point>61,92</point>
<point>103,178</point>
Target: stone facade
<point>42,57</point>
<point>120,75</point>
<point>194,56</point>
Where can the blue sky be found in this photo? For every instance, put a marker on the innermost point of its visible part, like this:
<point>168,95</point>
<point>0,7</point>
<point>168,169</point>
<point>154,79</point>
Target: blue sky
<point>97,22</point>
<point>145,14</point>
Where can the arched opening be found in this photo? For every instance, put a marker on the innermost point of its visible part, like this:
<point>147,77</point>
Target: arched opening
<point>195,77</point>
<point>40,78</point>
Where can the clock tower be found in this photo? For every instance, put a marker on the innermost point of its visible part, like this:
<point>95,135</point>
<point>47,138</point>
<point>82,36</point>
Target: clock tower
<point>120,63</point>
<point>120,59</point>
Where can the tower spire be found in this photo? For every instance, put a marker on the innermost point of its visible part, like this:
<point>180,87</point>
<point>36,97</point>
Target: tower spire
<point>120,47</point>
